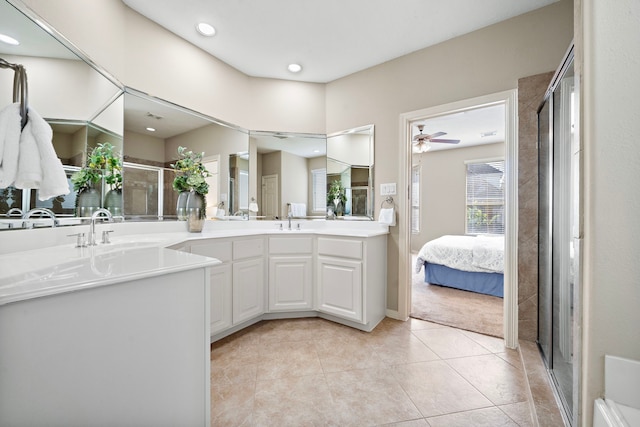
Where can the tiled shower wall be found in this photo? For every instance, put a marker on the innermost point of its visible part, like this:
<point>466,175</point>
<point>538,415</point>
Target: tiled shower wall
<point>531,92</point>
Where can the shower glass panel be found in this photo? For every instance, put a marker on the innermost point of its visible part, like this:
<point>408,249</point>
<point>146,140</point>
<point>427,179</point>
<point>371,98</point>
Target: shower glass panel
<point>558,194</point>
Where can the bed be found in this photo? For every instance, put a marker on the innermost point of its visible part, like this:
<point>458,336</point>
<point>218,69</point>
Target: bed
<point>470,263</point>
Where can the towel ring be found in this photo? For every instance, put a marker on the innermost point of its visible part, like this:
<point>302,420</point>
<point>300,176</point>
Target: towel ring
<point>388,200</point>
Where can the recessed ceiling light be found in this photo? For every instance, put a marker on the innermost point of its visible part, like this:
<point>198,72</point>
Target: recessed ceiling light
<point>9,40</point>
<point>294,68</point>
<point>206,29</point>
<point>150,129</point>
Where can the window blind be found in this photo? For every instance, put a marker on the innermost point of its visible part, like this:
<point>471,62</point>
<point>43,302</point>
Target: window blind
<point>485,197</point>
<point>319,188</point>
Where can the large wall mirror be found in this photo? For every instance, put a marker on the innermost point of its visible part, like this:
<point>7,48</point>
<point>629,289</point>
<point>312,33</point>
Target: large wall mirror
<point>256,175</point>
<point>82,105</point>
<point>350,163</point>
<point>153,131</point>
<point>288,175</point>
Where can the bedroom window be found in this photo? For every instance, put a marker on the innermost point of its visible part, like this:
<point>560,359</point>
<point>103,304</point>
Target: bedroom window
<point>485,197</point>
<point>415,200</point>
<point>319,187</point>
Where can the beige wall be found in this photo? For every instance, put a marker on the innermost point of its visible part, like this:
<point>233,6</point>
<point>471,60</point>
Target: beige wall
<point>443,190</point>
<point>486,61</point>
<point>608,50</point>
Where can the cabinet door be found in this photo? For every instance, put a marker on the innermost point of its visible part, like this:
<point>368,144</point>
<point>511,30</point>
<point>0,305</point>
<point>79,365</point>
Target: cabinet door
<point>290,283</point>
<point>220,298</point>
<point>248,289</point>
<point>340,288</point>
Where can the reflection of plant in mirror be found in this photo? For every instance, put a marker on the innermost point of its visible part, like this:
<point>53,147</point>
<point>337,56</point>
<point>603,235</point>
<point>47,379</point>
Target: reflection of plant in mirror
<point>336,191</point>
<point>84,179</point>
<point>190,172</point>
<point>103,157</point>
<point>102,162</point>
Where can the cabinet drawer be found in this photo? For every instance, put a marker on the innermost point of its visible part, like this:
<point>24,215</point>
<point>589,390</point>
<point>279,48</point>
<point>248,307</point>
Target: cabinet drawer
<point>290,245</point>
<point>342,248</point>
<point>213,249</point>
<point>249,248</point>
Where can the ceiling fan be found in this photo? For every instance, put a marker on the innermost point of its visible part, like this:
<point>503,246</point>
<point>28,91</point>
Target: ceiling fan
<point>422,142</point>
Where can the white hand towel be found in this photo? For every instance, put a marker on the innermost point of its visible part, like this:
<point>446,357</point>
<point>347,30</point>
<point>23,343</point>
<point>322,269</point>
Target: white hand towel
<point>9,144</point>
<point>29,173</point>
<point>298,209</point>
<point>54,178</point>
<point>387,216</point>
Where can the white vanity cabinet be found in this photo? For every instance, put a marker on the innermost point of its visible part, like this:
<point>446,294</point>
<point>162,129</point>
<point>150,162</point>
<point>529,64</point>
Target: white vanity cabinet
<point>237,285</point>
<point>290,273</point>
<point>351,278</point>
<point>220,279</point>
<point>248,278</point>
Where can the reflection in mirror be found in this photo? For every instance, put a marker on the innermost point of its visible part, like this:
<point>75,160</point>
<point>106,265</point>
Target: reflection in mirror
<point>350,161</point>
<point>154,129</point>
<point>288,173</point>
<point>66,89</point>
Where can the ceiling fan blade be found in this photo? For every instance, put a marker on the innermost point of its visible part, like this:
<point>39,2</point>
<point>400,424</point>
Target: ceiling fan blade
<point>437,134</point>
<point>446,141</point>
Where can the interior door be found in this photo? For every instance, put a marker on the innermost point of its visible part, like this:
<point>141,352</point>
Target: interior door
<point>270,199</point>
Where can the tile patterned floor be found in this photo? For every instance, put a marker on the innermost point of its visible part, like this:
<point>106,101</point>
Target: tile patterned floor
<point>312,372</point>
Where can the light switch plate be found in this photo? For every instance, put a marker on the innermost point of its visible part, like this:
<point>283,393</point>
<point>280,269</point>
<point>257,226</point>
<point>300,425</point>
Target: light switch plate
<point>388,189</point>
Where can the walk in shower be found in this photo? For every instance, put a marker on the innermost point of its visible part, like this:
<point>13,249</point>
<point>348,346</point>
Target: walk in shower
<point>559,234</point>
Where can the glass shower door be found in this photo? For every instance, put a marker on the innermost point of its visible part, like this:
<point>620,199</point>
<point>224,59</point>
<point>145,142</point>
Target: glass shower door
<point>557,232</point>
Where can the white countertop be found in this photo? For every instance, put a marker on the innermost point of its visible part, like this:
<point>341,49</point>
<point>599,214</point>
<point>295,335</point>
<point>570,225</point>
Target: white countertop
<point>46,261</point>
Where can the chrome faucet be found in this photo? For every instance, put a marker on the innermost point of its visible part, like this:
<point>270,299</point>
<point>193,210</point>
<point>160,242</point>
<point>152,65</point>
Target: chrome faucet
<point>41,211</point>
<point>14,211</point>
<point>289,218</point>
<point>94,217</point>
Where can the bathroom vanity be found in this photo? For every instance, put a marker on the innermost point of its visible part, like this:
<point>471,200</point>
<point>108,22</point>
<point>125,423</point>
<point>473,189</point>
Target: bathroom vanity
<point>122,330</point>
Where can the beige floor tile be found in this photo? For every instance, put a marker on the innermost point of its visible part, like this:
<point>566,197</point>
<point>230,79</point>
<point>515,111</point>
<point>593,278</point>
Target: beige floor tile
<point>519,412</point>
<point>313,372</point>
<point>413,423</point>
<point>287,366</point>
<point>371,403</point>
<point>232,405</point>
<point>493,344</point>
<point>406,350</point>
<point>233,374</point>
<point>449,342</point>
<point>436,388</point>
<point>418,324</point>
<point>487,417</point>
<point>498,380</point>
<point>301,401</point>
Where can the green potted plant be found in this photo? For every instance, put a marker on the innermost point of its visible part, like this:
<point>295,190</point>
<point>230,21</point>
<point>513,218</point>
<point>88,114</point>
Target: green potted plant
<point>102,162</point>
<point>190,182</point>
<point>336,194</point>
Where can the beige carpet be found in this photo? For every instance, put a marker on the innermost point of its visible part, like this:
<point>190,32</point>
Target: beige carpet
<point>452,307</point>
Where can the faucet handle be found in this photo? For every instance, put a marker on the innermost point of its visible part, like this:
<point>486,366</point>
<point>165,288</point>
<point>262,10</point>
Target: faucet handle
<point>81,242</point>
<point>105,236</point>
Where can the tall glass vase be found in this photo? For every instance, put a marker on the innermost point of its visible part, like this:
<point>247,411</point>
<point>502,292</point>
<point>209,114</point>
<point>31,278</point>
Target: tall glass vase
<point>195,209</point>
<point>181,206</point>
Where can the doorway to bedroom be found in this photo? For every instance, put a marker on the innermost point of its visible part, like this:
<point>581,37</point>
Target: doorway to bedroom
<point>457,225</point>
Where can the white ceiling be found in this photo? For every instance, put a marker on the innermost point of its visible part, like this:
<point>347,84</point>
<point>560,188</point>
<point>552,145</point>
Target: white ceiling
<point>329,38</point>
<point>466,126</point>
